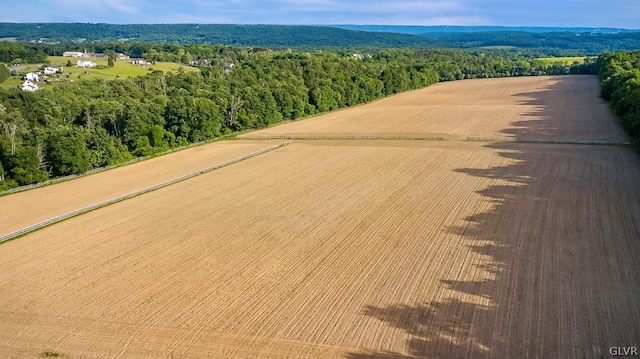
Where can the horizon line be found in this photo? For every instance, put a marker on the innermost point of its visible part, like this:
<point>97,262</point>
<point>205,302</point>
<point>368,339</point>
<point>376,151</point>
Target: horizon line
<point>327,25</point>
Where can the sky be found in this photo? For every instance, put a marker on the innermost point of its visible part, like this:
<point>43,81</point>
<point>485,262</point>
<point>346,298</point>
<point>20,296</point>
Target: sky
<point>553,13</point>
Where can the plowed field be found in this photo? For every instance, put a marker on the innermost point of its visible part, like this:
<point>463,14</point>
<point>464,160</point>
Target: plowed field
<point>524,108</point>
<point>352,249</point>
<point>45,202</point>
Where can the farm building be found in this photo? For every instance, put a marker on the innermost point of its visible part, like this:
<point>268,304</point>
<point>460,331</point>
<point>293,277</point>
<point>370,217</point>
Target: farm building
<point>72,54</point>
<point>86,63</point>
<point>50,70</point>
<point>96,55</point>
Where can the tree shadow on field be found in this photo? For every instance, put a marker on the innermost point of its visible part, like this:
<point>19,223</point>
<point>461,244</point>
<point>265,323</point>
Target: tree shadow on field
<point>485,318</point>
<point>553,109</point>
<point>540,122</point>
<point>456,327</point>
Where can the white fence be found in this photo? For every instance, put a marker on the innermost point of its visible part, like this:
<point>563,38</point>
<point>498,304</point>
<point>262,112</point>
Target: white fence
<point>346,137</point>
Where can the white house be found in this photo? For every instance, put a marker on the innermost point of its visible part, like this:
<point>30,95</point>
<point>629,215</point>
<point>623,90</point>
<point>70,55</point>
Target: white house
<point>32,76</point>
<point>52,70</point>
<point>86,63</point>
<point>72,54</point>
<point>121,56</point>
<point>30,86</point>
<point>141,62</point>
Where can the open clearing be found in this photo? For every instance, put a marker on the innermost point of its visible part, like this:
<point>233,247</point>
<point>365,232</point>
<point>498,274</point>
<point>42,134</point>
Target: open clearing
<point>565,60</point>
<point>122,69</point>
<point>350,249</point>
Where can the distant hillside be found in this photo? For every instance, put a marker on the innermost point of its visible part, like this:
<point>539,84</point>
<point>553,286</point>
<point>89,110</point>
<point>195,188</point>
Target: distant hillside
<point>556,40</point>
<point>584,43</point>
<point>569,41</point>
<point>434,30</point>
<point>244,35</point>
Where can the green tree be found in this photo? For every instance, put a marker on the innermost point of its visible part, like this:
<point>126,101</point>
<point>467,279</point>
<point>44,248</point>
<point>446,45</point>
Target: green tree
<point>105,150</point>
<point>104,113</point>
<point>206,121</point>
<point>24,166</point>
<point>4,73</point>
<point>112,57</point>
<point>143,147</point>
<point>67,150</point>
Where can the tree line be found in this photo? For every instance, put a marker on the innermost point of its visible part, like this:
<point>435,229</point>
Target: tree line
<point>74,127</point>
<point>619,75</point>
<point>21,53</point>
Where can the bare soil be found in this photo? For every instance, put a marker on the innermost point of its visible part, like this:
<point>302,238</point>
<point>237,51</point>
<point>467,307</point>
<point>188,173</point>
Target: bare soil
<point>524,108</point>
<point>351,249</point>
<point>33,206</point>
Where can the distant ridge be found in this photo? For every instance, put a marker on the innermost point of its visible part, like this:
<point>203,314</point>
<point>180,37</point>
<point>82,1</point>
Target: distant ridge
<point>555,41</point>
<point>419,30</point>
<point>224,34</point>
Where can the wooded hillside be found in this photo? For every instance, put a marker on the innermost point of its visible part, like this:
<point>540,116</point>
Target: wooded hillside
<point>553,41</point>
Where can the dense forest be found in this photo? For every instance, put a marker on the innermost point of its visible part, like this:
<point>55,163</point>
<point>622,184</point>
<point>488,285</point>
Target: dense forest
<point>555,42</point>
<point>273,36</point>
<point>16,53</point>
<point>74,127</point>
<point>438,30</point>
<point>619,75</point>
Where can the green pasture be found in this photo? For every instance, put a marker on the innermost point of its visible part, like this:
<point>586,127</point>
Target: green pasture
<point>563,60</point>
<point>12,81</point>
<point>121,68</point>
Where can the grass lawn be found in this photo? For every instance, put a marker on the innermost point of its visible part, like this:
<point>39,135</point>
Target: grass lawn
<point>12,82</point>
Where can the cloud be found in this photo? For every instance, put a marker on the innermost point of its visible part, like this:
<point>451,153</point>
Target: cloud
<point>456,21</point>
<point>98,6</point>
<point>121,5</point>
<point>619,13</point>
<point>310,5</point>
<point>414,13</point>
<point>108,11</point>
<point>353,8</point>
<point>198,19</point>
<point>410,12</point>
<point>363,7</point>
<point>414,6</point>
